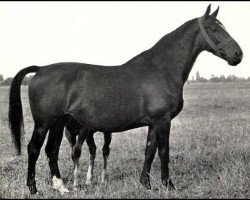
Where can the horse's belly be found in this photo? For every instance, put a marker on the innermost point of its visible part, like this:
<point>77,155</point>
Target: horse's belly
<point>109,116</point>
<point>106,122</point>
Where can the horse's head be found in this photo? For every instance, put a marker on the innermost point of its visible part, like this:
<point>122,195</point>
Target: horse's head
<point>217,40</point>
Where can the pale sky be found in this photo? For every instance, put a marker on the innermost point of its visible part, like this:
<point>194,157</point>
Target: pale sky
<point>109,33</point>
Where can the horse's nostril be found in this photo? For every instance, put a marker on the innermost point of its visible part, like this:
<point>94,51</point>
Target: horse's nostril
<point>238,54</point>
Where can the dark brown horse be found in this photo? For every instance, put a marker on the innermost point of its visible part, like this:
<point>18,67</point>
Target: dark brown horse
<point>145,91</point>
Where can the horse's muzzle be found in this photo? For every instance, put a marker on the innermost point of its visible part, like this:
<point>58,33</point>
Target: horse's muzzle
<point>237,58</point>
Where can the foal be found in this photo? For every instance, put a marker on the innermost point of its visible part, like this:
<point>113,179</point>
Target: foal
<point>76,145</point>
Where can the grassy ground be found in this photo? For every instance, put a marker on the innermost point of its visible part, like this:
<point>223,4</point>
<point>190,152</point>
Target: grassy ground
<point>210,152</point>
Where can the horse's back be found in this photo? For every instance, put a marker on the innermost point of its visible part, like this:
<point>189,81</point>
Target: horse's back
<point>92,94</point>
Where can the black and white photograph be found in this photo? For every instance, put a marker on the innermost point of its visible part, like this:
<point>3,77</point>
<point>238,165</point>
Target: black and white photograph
<point>124,99</point>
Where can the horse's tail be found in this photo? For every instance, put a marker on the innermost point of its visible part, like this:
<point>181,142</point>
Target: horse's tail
<point>15,106</point>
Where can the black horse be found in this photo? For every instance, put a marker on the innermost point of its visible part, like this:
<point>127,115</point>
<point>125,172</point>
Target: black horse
<point>145,91</point>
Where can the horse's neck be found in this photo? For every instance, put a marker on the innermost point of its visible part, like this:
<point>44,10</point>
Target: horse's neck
<point>176,52</point>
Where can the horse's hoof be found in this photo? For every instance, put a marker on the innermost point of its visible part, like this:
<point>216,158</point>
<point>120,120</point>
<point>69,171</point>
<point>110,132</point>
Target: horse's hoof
<point>168,184</point>
<point>63,190</point>
<point>76,187</point>
<point>32,189</point>
<point>171,185</point>
<point>88,182</point>
<point>145,182</point>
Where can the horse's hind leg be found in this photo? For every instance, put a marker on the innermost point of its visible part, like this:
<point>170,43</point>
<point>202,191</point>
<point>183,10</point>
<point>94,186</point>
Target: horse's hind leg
<point>52,151</point>
<point>92,151</point>
<point>105,151</point>
<point>34,148</point>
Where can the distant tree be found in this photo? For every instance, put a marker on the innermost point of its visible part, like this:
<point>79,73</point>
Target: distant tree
<point>231,78</point>
<point>1,77</point>
<point>222,77</point>
<point>7,81</point>
<point>240,79</point>
<point>214,79</point>
<point>197,76</point>
<point>202,80</point>
<point>26,80</point>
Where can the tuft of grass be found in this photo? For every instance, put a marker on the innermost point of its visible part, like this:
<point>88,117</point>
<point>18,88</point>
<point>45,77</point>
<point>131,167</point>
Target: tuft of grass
<point>209,152</point>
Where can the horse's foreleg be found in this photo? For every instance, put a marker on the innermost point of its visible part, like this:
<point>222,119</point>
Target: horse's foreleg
<point>162,132</point>
<point>52,151</point>
<point>150,151</point>
<point>106,151</point>
<point>92,151</point>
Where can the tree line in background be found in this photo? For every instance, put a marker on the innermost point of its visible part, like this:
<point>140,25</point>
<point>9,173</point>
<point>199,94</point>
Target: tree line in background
<point>199,79</point>
<point>8,81</point>
<point>219,79</point>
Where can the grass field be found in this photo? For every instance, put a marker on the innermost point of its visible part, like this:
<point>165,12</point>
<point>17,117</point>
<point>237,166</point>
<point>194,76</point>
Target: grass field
<point>209,152</point>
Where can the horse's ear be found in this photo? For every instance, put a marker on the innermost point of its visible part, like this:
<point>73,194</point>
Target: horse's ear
<point>215,13</point>
<point>207,11</point>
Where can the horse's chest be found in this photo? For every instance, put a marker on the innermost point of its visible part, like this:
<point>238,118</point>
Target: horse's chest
<point>161,105</point>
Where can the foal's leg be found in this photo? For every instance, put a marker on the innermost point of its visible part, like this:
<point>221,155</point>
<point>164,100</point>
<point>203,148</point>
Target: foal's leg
<point>150,151</point>
<point>71,138</point>
<point>52,151</point>
<point>70,135</point>
<point>92,151</point>
<point>162,132</point>
<point>34,148</point>
<point>106,151</point>
<point>76,153</point>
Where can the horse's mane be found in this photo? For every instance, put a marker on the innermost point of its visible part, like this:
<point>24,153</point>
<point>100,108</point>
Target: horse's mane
<point>165,40</point>
<point>168,38</point>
